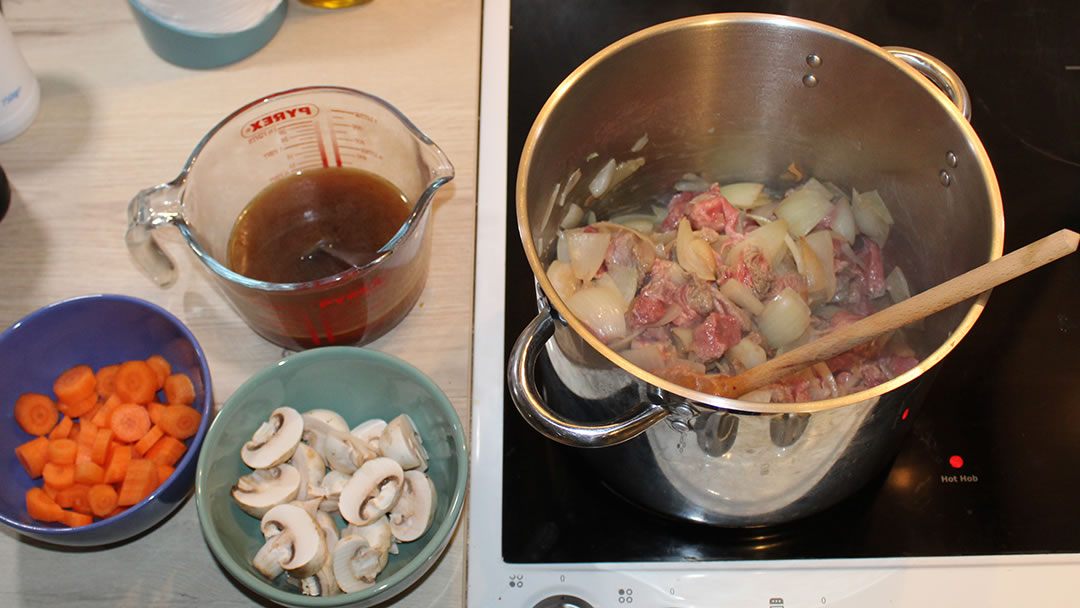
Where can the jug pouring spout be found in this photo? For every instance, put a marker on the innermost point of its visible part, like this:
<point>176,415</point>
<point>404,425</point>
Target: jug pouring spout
<point>149,209</point>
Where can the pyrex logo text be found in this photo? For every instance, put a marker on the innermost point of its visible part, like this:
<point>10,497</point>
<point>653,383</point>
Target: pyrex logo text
<point>304,111</point>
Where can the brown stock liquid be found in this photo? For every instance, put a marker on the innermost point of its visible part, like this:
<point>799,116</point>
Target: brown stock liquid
<point>276,239</point>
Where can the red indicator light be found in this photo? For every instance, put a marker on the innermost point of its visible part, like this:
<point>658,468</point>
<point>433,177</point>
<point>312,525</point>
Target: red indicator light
<point>956,462</point>
<point>905,414</point>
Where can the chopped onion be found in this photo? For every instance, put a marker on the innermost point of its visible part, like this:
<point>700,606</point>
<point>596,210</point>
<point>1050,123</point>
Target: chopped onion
<point>601,307</point>
<point>586,251</point>
<point>602,180</point>
<point>648,357</point>
<point>694,254</point>
<point>742,296</point>
<point>784,318</point>
<point>747,353</point>
<point>571,181</point>
<point>685,335</point>
<point>562,252</point>
<point>624,169</point>
<point>813,269</point>
<point>690,182</point>
<point>897,286</point>
<point>562,279</point>
<point>573,217</point>
<point>744,195</point>
<point>640,143</point>
<point>769,240</point>
<point>821,242</point>
<point>804,208</point>
<point>843,221</point>
<point>871,215</point>
<point>625,279</point>
<point>814,184</point>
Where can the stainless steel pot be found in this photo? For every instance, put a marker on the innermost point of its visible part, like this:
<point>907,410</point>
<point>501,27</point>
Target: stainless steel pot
<point>742,96</point>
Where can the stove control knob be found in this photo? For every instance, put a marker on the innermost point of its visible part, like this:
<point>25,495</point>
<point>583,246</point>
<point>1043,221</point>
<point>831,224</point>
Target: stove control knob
<point>563,601</point>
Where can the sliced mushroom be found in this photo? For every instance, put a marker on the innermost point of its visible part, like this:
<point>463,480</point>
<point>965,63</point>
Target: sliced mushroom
<point>400,441</point>
<point>357,563</point>
<point>275,440</point>
<point>321,584</point>
<point>372,491</point>
<point>327,524</point>
<point>312,469</point>
<point>332,485</point>
<point>368,433</point>
<point>295,544</point>
<point>328,433</point>
<point>377,533</point>
<point>415,508</point>
<point>262,489</point>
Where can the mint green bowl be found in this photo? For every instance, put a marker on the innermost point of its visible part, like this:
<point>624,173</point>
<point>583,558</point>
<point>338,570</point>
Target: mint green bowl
<point>359,384</point>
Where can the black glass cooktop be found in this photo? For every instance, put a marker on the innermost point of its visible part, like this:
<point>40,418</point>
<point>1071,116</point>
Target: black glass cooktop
<point>992,465</point>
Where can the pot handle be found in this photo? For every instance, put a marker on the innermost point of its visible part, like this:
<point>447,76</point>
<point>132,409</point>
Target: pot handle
<point>550,424</point>
<point>938,73</point>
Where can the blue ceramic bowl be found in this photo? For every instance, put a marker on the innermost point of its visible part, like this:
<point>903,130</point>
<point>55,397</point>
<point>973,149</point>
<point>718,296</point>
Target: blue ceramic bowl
<point>360,384</point>
<point>205,50</point>
<point>96,330</point>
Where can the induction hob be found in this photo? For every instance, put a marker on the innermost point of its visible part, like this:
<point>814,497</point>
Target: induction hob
<point>979,506</point>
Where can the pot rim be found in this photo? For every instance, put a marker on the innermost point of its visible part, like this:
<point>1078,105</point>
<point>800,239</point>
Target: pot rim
<point>714,401</point>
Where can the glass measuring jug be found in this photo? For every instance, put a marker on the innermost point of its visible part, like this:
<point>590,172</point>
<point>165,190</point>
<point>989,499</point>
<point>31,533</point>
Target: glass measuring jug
<point>275,137</point>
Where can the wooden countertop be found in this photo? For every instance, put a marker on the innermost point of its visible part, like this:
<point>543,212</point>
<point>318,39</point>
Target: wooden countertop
<point>116,118</point>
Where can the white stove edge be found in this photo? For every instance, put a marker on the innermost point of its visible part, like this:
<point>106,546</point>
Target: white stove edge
<point>1037,581</point>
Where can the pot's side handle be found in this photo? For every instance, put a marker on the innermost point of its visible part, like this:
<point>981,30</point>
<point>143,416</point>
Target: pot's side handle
<point>939,73</point>
<point>550,424</point>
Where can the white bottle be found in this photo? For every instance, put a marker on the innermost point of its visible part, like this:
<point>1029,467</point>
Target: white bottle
<point>20,94</point>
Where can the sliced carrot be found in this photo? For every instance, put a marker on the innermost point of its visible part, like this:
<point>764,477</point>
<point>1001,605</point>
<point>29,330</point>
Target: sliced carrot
<point>136,382</point>
<point>116,511</point>
<point>148,440</point>
<point>87,434</point>
<point>62,451</point>
<point>106,380</point>
<point>80,407</point>
<point>141,479</point>
<point>33,455</point>
<point>129,422</point>
<point>168,450</point>
<point>101,417</point>
<point>102,498</point>
<point>73,519</point>
<point>164,471</point>
<point>180,421</point>
<point>41,506</point>
<point>51,491</point>
<point>36,413</point>
<point>116,465</point>
<point>155,409</point>
<point>59,476</point>
<point>75,384</point>
<point>74,497</point>
<point>89,473</point>
<point>161,368</point>
<point>179,390</point>
<point>74,434</point>
<point>62,428</point>
<point>102,441</point>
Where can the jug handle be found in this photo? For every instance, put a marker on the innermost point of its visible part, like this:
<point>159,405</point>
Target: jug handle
<point>550,424</point>
<point>938,73</point>
<point>151,208</point>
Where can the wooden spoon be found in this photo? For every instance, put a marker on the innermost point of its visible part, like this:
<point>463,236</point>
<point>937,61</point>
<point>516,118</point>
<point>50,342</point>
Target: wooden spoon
<point>940,297</point>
